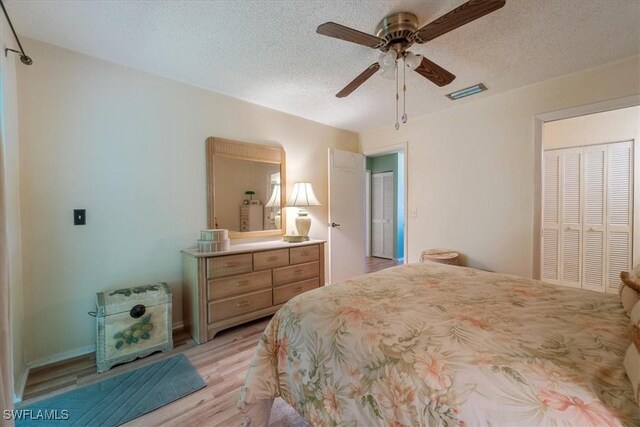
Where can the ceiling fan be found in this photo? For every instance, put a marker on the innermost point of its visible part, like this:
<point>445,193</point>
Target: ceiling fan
<point>398,32</point>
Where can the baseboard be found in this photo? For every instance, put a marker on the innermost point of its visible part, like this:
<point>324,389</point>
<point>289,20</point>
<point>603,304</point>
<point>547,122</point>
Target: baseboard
<point>87,349</point>
<point>177,325</point>
<point>59,357</point>
<point>20,385</point>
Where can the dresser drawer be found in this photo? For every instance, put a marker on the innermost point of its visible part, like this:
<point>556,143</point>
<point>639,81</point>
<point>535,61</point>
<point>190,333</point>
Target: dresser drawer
<point>223,309</point>
<point>222,288</point>
<point>304,254</point>
<point>295,273</point>
<point>229,265</point>
<point>282,294</point>
<point>270,259</point>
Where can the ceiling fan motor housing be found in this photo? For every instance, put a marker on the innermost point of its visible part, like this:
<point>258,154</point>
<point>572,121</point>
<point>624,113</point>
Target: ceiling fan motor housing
<point>397,30</point>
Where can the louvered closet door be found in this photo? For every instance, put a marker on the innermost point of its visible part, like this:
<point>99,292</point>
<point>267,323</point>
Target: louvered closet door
<point>551,218</point>
<point>571,218</point>
<point>620,212</point>
<point>593,270</point>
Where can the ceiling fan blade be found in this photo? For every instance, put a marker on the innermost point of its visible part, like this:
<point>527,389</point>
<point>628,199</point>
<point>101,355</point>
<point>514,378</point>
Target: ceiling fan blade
<point>341,32</point>
<point>355,83</point>
<point>458,17</point>
<point>432,71</point>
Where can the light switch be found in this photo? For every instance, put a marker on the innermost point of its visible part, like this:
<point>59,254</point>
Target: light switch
<point>414,212</point>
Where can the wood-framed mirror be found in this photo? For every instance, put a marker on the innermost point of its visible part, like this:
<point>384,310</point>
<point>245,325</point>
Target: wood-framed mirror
<point>246,188</point>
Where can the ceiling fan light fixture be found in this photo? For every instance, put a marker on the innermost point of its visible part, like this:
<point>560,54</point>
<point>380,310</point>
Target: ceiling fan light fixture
<point>389,74</point>
<point>387,60</point>
<point>412,60</point>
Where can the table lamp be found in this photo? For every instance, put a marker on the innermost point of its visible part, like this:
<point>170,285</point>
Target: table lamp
<point>302,197</point>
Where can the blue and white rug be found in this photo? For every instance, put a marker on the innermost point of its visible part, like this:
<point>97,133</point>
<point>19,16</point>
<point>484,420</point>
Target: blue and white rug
<point>116,400</point>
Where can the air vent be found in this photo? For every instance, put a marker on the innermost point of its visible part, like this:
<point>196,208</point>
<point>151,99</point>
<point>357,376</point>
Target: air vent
<point>480,87</point>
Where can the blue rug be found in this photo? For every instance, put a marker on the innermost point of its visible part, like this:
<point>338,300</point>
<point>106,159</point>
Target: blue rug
<point>116,400</point>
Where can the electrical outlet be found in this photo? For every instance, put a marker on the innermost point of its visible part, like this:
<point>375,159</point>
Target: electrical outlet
<point>79,216</point>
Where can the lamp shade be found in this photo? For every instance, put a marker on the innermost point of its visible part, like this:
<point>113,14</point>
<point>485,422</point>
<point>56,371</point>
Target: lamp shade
<point>274,201</point>
<point>303,195</point>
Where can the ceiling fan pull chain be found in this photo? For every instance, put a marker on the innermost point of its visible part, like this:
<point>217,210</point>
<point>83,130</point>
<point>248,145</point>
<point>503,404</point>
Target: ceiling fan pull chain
<point>404,90</point>
<point>397,96</point>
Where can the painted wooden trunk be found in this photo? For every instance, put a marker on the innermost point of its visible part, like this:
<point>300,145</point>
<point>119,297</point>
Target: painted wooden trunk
<point>132,323</point>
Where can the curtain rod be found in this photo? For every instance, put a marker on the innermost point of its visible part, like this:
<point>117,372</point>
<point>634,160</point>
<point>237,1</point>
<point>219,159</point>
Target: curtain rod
<point>23,56</point>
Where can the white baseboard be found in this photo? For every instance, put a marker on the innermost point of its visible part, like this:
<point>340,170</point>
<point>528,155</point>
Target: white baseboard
<point>87,349</point>
<point>59,357</point>
<point>19,385</point>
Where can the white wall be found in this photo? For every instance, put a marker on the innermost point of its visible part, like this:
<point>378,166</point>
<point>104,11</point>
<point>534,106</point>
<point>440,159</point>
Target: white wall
<point>600,128</point>
<point>471,168</point>
<point>130,148</point>
<point>9,128</point>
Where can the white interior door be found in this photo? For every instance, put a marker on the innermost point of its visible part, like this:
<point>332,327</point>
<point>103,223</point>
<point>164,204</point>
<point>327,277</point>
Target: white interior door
<point>619,212</point>
<point>346,215</point>
<point>382,225</point>
<point>551,218</point>
<point>571,215</point>
<point>588,215</point>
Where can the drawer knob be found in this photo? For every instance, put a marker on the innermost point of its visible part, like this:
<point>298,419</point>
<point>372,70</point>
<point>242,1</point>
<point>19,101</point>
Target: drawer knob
<point>242,283</point>
<point>272,258</point>
<point>305,253</point>
<point>231,264</point>
<point>137,311</point>
<point>297,271</point>
<point>242,304</point>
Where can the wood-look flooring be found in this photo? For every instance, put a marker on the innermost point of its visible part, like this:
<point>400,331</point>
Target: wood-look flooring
<point>373,264</point>
<point>222,363</point>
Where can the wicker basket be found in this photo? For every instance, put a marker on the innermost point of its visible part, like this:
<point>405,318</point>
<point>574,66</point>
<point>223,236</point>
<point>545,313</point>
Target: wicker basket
<point>442,256</point>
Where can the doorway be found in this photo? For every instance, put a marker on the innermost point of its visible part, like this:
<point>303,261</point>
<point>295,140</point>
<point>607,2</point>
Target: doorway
<point>385,243</point>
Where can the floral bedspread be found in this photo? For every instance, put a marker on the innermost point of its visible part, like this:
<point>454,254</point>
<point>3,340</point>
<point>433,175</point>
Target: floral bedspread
<point>430,344</point>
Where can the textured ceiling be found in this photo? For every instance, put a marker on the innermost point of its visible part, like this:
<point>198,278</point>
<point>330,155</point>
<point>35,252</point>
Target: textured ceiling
<point>267,52</point>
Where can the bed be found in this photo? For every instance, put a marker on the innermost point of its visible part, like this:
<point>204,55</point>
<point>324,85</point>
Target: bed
<point>431,344</point>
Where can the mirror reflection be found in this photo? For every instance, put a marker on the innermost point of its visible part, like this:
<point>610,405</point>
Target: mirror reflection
<point>247,194</point>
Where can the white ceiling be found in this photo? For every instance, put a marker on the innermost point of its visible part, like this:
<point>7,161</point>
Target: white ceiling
<point>267,52</point>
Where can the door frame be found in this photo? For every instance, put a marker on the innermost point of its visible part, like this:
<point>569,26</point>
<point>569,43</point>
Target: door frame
<point>402,147</point>
<point>538,160</point>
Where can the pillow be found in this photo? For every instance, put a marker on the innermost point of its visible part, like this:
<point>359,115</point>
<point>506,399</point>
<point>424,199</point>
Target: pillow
<point>629,298</point>
<point>631,280</point>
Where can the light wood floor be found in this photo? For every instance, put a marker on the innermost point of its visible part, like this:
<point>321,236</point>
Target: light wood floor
<point>222,363</point>
<point>373,264</point>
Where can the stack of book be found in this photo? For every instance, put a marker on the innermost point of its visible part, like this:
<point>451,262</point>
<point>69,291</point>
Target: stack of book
<point>215,240</point>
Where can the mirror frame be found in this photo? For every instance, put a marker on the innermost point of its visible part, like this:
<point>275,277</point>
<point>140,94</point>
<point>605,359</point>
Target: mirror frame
<point>220,147</point>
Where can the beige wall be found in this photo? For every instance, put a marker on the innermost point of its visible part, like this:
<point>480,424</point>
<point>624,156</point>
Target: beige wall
<point>601,128</point>
<point>470,168</point>
<point>128,147</point>
<point>12,187</point>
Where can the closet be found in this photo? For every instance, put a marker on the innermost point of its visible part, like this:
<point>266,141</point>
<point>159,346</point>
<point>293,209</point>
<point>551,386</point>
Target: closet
<point>587,215</point>
<point>382,224</point>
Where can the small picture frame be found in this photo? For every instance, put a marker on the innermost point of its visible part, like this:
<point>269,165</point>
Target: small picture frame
<point>255,202</point>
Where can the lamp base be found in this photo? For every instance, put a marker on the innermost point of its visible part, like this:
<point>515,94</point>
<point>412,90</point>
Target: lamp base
<point>303,224</point>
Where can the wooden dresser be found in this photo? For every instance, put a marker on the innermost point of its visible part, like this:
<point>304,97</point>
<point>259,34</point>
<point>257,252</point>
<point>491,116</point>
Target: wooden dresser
<point>249,281</point>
